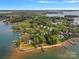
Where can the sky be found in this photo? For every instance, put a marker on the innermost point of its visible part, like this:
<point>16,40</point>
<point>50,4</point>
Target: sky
<point>39,4</point>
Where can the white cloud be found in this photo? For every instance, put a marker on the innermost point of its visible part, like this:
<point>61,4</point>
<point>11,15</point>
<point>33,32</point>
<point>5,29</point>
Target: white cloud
<point>50,8</point>
<point>46,1</point>
<point>73,1</point>
<point>64,1</point>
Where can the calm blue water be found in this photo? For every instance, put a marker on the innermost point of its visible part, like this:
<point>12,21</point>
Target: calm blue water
<point>6,37</point>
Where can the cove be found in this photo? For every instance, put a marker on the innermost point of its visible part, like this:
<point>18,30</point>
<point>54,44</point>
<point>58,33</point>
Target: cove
<point>6,38</point>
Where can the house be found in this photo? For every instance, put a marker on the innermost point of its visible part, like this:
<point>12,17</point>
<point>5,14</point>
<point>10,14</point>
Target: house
<point>73,19</point>
<point>76,21</point>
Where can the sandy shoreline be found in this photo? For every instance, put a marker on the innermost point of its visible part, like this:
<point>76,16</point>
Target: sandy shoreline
<point>17,54</point>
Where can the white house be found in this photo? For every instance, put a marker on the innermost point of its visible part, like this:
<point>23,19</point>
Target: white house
<point>76,21</point>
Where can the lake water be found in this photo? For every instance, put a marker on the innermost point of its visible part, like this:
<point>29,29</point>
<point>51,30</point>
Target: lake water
<point>58,53</point>
<point>6,37</point>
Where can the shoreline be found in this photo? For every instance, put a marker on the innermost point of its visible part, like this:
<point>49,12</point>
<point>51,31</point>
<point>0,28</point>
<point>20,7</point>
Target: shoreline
<point>17,54</point>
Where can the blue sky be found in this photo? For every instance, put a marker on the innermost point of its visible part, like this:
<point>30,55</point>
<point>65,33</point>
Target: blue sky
<point>38,4</point>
